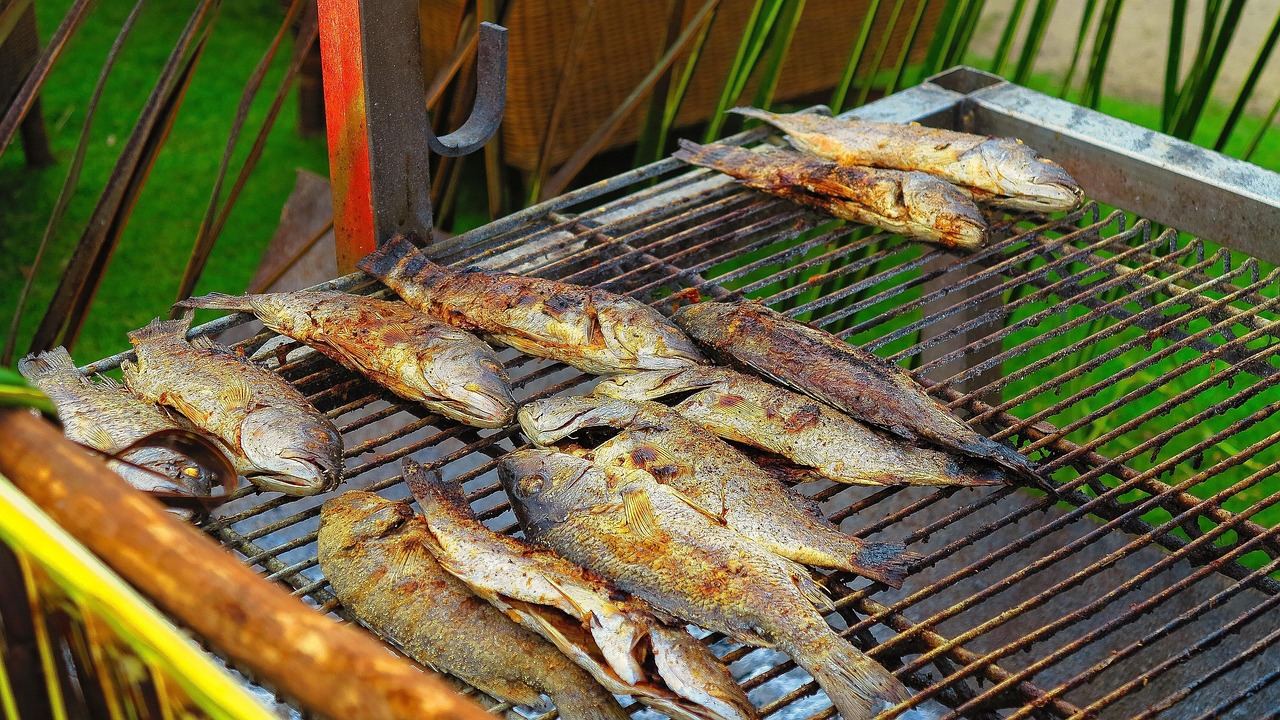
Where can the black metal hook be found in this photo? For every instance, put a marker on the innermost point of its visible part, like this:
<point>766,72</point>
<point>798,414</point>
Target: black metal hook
<point>491,97</point>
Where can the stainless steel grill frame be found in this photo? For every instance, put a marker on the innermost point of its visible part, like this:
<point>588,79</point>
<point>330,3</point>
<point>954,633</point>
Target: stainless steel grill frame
<point>1021,603</point>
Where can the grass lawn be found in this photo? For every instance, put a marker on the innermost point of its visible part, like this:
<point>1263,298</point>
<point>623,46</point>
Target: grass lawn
<point>148,264</point>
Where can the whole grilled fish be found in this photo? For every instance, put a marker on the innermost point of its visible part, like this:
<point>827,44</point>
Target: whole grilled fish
<point>589,619</point>
<point>748,410</point>
<point>260,419</point>
<point>646,538</point>
<point>374,554</point>
<point>103,415</point>
<point>913,204</point>
<point>753,337</point>
<point>411,354</point>
<point>716,477</point>
<point>1000,171</point>
<point>592,330</point>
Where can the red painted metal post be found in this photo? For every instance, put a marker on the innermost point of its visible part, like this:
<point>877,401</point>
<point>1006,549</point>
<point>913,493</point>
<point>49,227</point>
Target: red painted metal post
<point>344,109</point>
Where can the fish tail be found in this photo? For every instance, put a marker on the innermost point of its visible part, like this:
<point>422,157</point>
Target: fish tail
<point>399,262</point>
<point>757,113</point>
<point>218,301</point>
<point>586,701</point>
<point>883,562</point>
<point>162,329</point>
<point>1008,458</point>
<point>48,364</point>
<point>857,685</point>
<point>432,492</point>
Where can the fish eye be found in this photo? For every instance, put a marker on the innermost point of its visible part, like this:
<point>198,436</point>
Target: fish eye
<point>532,484</point>
<point>191,471</point>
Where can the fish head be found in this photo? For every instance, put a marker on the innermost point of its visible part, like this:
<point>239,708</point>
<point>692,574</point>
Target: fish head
<point>638,386</point>
<point>357,516</point>
<point>648,342</point>
<point>940,208</point>
<point>547,421</point>
<point>1020,172</point>
<point>545,485</point>
<point>163,470</point>
<point>293,453</point>
<point>483,399</point>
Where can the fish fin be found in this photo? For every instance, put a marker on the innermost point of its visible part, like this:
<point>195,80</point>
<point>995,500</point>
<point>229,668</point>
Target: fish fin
<point>808,587</point>
<point>163,328</point>
<point>186,409</point>
<point>710,515</point>
<point>107,382</point>
<point>578,609</point>
<point>638,508</point>
<point>219,301</point>
<point>55,362</point>
<point>430,489</point>
<point>857,685</point>
<point>884,562</point>
<point>97,436</point>
<point>237,395</point>
<point>756,113</point>
<point>396,333</point>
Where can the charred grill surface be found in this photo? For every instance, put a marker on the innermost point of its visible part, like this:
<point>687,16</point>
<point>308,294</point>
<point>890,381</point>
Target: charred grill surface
<point>1099,348</point>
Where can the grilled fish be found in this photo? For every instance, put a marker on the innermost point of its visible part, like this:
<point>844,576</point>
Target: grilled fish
<point>260,419</point>
<point>592,330</point>
<point>415,356</point>
<point>103,415</point>
<point>374,554</point>
<point>753,337</point>
<point>589,619</point>
<point>646,538</point>
<point>999,171</point>
<point>748,410</point>
<point>913,204</point>
<point>716,477</point>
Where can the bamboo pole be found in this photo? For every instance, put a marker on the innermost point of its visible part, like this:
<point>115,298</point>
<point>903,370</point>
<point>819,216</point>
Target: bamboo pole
<point>330,669</point>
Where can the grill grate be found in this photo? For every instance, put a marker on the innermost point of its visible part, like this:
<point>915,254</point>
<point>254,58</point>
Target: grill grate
<point>1103,346</point>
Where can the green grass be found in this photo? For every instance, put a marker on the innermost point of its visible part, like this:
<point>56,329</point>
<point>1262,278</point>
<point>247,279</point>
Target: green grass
<point>153,251</point>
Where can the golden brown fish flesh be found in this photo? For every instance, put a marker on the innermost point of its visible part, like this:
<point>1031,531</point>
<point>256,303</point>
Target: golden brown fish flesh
<point>411,354</point>
<point>748,410</point>
<point>104,416</point>
<point>649,540</point>
<point>259,418</point>
<point>613,637</point>
<point>1000,171</point>
<point>756,339</point>
<point>592,330</point>
<point>913,204</point>
<point>374,554</point>
<point>715,476</point>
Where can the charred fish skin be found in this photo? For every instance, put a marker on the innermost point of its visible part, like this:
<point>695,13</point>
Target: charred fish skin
<point>412,354</point>
<point>717,477</point>
<point>104,416</point>
<point>258,417</point>
<point>745,409</point>
<point>754,338</point>
<point>652,544</point>
<point>691,684</point>
<point>999,171</point>
<point>374,554</point>
<point>913,204</point>
<point>595,331</point>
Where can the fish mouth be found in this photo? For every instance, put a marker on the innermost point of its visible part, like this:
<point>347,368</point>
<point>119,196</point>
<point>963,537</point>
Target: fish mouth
<point>303,476</point>
<point>481,407</point>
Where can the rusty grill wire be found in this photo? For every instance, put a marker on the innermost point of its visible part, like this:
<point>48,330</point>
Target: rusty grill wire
<point>1136,590</point>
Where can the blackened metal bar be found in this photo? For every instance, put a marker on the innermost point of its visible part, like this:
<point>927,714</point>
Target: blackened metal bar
<point>396,115</point>
<point>1248,654</point>
<point>1221,710</point>
<point>1135,610</point>
<point>1148,638</point>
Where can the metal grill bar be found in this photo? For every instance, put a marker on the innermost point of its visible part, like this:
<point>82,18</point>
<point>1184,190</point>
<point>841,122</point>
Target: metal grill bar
<point>1055,311</point>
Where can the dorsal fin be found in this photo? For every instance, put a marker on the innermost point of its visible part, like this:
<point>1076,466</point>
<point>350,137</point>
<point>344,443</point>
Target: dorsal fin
<point>158,328</point>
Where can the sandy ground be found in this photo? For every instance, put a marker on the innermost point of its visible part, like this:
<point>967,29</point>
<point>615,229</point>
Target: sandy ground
<point>1138,54</point>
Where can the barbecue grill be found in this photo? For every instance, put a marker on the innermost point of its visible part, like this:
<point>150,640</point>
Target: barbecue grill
<point>1138,366</point>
